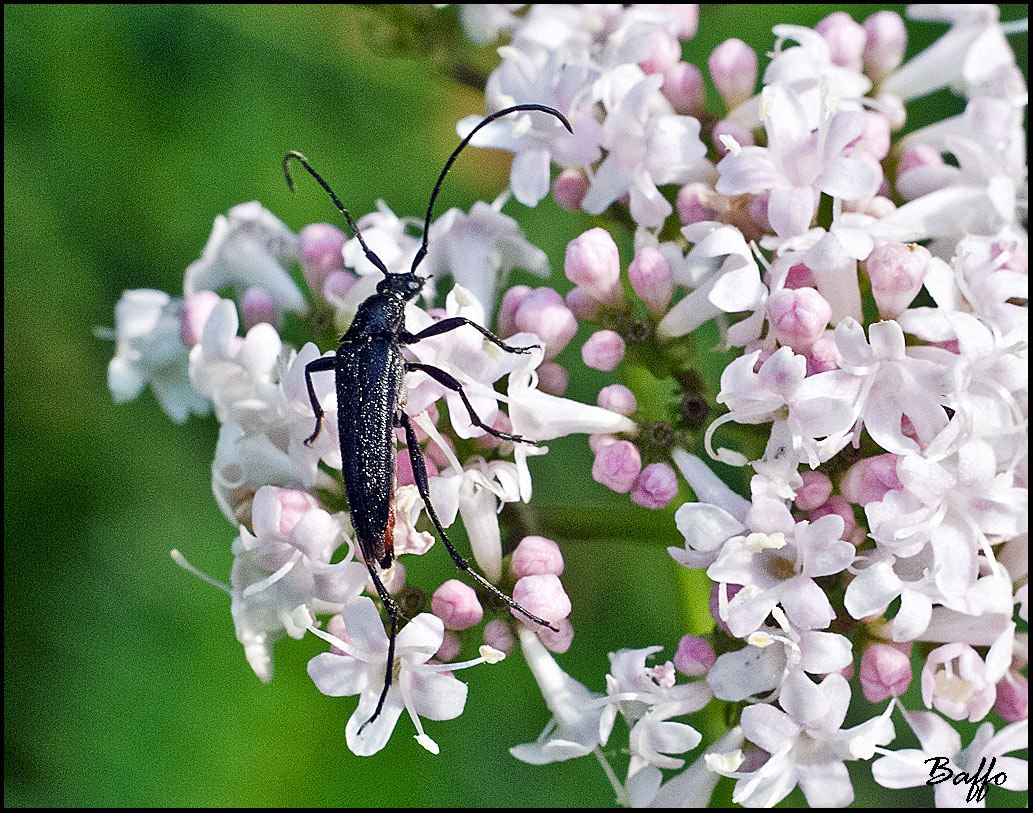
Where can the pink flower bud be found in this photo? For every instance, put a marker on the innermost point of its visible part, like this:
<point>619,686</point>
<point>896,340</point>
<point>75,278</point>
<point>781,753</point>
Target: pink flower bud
<point>816,488</point>
<point>320,246</point>
<point>294,505</point>
<point>196,310</point>
<point>687,15</point>
<point>695,656</point>
<point>758,210</point>
<point>593,264</point>
<point>1012,701</point>
<point>655,487</point>
<point>800,276</point>
<point>876,138</point>
<point>885,672</point>
<point>733,67</point>
<point>598,442</point>
<point>823,355</point>
<point>651,278</point>
<point>511,302</point>
<point>1018,257</point>
<point>553,378</point>
<point>617,398</point>
<point>536,555</point>
<point>870,478</point>
<point>256,306</point>
<point>558,642</point>
<point>497,634</point>
<point>569,189</point>
<point>337,285</point>
<point>503,424</point>
<point>617,465</point>
<point>544,313</point>
<point>725,127</point>
<point>684,88</point>
<point>665,53</point>
<point>896,272</point>
<point>456,604</point>
<point>581,304</point>
<point>541,595</point>
<point>799,317</point>
<point>918,155</point>
<point>836,505</point>
<point>403,468</point>
<point>692,203</point>
<point>604,350</point>
<point>449,649</point>
<point>845,39</point>
<point>885,44</point>
<point>335,626</point>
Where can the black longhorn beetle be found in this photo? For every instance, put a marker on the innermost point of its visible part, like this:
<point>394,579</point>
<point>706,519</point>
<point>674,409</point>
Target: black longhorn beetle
<point>370,371</point>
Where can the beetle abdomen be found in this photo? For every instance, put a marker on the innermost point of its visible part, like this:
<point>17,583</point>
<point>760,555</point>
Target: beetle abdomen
<point>370,374</point>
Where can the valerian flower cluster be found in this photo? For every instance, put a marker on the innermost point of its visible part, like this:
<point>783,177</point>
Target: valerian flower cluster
<point>870,278</point>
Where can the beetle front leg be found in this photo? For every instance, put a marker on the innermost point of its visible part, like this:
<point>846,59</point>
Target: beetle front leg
<point>453,322</point>
<point>320,365</point>
<point>446,380</point>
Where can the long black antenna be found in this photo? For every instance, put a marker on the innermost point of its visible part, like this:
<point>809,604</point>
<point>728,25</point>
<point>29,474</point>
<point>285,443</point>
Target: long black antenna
<point>301,159</point>
<point>448,164</point>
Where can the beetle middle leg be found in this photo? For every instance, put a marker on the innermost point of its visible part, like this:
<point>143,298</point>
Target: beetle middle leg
<point>320,365</point>
<point>453,322</point>
<point>419,471</point>
<point>446,380</point>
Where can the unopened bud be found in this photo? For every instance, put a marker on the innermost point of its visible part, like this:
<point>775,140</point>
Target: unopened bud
<point>604,350</point>
<point>733,67</point>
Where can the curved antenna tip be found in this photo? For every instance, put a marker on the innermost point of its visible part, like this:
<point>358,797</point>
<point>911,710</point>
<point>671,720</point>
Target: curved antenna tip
<point>286,167</point>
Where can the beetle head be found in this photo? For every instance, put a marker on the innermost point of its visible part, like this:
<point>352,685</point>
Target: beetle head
<point>405,286</point>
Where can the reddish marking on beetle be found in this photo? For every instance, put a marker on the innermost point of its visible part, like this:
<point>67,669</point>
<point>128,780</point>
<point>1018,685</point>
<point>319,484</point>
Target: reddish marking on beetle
<point>389,533</point>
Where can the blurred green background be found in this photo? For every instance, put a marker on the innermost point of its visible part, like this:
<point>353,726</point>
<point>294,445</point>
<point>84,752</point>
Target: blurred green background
<point>126,130</point>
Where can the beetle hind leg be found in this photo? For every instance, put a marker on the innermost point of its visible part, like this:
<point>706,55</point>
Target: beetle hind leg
<point>420,476</point>
<point>391,606</point>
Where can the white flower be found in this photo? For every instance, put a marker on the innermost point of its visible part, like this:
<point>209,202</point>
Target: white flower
<point>536,415</point>
<point>807,745</point>
<point>538,139</point>
<point>236,373</point>
<point>648,697</point>
<point>910,767</point>
<point>149,351</point>
<point>771,654</point>
<point>581,721</point>
<point>647,146</point>
<point>965,57</point>
<point>723,277</point>
<point>889,385</point>
<point>478,249</point>
<point>421,688</point>
<point>693,787</point>
<point>477,493</point>
<point>284,566</point>
<point>798,164</point>
<point>249,248</point>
